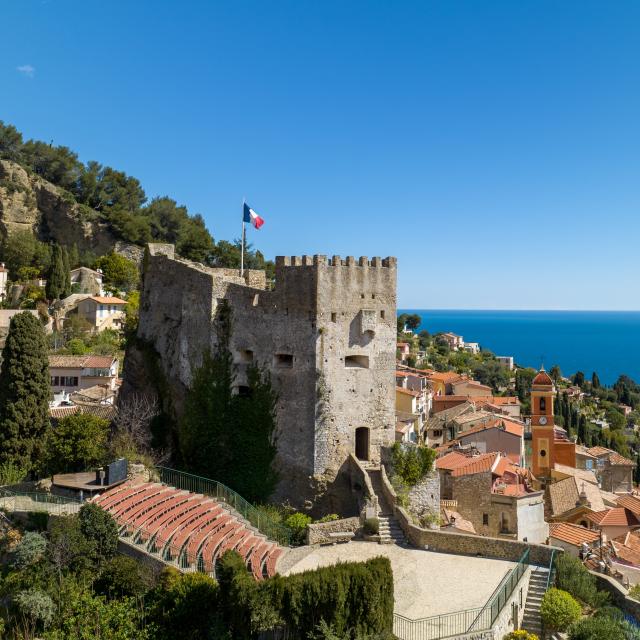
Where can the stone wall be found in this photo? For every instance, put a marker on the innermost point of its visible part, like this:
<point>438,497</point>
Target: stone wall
<point>326,334</point>
<point>464,544</point>
<point>424,497</point>
<point>361,486</point>
<point>318,533</point>
<point>619,595</point>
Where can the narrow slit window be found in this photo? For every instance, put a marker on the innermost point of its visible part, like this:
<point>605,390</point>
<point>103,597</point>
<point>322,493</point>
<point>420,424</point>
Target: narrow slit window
<point>334,317</point>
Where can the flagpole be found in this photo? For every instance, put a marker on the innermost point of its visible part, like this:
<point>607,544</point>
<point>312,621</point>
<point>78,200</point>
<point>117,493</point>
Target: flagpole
<point>242,247</point>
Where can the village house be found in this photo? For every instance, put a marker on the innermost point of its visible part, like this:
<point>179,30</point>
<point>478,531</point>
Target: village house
<point>439,426</point>
<point>573,538</point>
<point>85,280</point>
<point>508,405</point>
<point>498,434</point>
<point>407,429</point>
<point>79,373</point>
<point>5,321</point>
<point>403,351</point>
<point>614,472</point>
<point>495,495</point>
<point>470,388</point>
<point>505,361</point>
<point>102,312</point>
<point>613,522</point>
<point>454,341</point>
<point>571,500</point>
<point>472,347</point>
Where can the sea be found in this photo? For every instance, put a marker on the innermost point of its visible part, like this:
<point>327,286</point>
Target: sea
<point>604,341</point>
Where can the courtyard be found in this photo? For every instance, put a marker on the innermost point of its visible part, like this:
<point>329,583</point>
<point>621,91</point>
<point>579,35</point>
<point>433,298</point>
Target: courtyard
<point>426,583</point>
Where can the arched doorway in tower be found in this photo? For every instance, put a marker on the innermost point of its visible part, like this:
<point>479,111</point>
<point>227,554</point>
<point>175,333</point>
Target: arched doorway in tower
<point>362,443</point>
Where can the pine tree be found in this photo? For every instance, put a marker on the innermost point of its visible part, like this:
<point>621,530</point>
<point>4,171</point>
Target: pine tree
<point>66,291</point>
<point>595,381</point>
<point>55,277</point>
<point>24,393</point>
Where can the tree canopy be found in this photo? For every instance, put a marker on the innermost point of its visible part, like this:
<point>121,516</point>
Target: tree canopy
<point>24,393</point>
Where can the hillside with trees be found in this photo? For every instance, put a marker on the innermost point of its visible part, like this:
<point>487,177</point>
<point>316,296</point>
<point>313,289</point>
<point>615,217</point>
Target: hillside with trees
<point>47,194</point>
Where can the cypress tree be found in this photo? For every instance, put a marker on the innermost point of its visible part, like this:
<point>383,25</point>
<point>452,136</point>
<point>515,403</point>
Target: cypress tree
<point>582,430</point>
<point>66,291</point>
<point>24,393</point>
<point>55,277</point>
<point>595,381</point>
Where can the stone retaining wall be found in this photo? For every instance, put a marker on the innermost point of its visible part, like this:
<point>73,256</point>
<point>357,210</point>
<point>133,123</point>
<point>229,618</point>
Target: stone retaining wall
<point>361,483</point>
<point>318,533</point>
<point>461,543</point>
<point>619,595</point>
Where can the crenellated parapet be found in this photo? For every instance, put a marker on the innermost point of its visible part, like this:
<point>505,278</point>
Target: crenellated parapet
<point>336,261</point>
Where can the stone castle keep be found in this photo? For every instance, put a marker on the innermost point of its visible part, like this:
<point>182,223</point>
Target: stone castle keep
<point>327,334</point>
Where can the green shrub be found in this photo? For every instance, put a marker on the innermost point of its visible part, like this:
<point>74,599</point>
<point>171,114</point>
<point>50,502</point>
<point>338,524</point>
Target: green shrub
<point>559,610</point>
<point>185,607</point>
<point>330,517</point>
<point>371,526</point>
<point>412,463</point>
<point>101,529</point>
<point>37,520</point>
<point>123,576</point>
<point>634,592</point>
<point>354,599</point>
<point>29,551</point>
<point>573,577</point>
<point>298,522</point>
<point>597,628</point>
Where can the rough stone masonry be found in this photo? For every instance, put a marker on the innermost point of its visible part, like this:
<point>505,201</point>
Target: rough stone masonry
<point>326,333</point>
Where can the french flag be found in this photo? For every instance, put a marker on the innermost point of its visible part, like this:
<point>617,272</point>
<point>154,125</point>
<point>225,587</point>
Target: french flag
<point>249,215</point>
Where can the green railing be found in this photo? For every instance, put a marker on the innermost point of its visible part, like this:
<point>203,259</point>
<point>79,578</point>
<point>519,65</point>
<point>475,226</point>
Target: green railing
<point>26,501</point>
<point>552,569</point>
<point>490,612</point>
<point>434,627</point>
<point>215,489</point>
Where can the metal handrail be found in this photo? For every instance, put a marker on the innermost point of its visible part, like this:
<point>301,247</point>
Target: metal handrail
<point>434,627</point>
<point>48,501</point>
<point>500,596</point>
<point>551,569</point>
<point>207,486</point>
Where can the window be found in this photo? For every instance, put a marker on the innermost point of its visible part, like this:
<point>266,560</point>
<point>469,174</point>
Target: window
<point>334,317</point>
<point>245,356</point>
<point>356,362</point>
<point>373,296</point>
<point>256,299</point>
<point>243,391</point>
<point>382,314</point>
<point>543,404</point>
<point>437,433</point>
<point>543,453</point>
<point>55,381</point>
<point>283,360</point>
<point>485,519</point>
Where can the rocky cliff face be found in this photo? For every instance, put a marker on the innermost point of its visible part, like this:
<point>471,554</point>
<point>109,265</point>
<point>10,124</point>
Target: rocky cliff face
<point>29,203</point>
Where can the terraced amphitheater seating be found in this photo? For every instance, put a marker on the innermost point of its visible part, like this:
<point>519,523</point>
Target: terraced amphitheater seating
<point>188,530</point>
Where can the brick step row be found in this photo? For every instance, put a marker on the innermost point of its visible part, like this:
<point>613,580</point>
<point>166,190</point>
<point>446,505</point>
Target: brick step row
<point>187,529</point>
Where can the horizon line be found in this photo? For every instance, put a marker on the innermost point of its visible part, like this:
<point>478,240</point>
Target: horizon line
<point>512,309</point>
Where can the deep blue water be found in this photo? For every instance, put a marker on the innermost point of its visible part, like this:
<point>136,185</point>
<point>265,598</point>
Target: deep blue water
<point>604,341</point>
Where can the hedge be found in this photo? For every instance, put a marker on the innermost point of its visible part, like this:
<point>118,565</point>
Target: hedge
<point>353,598</point>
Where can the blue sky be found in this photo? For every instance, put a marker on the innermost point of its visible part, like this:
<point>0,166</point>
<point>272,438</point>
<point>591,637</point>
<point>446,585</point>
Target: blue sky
<point>493,147</point>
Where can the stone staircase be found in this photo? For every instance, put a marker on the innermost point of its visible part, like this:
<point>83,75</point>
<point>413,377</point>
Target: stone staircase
<point>531,621</point>
<point>389,528</point>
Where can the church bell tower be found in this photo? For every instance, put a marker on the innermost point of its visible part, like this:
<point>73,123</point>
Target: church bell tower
<point>542,426</point>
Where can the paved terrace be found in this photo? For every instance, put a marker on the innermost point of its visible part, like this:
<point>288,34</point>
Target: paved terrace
<point>426,583</point>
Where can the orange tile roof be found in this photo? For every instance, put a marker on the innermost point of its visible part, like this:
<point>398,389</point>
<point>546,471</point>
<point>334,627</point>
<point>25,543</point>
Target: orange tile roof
<point>500,400</point>
<point>542,378</point>
<point>507,426</point>
<point>445,376</point>
<point>630,502</point>
<point>108,300</point>
<point>476,464</point>
<point>451,461</point>
<point>63,412</point>
<point>614,457</point>
<point>616,517</point>
<point>572,533</point>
